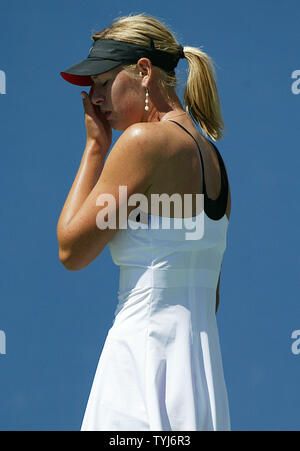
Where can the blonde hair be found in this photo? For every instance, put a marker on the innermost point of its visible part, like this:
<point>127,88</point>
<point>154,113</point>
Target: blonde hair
<point>201,97</point>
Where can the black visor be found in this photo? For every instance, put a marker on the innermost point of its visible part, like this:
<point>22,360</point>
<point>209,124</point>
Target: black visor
<point>106,54</point>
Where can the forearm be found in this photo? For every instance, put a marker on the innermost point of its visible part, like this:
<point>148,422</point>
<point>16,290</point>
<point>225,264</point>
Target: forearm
<point>89,171</point>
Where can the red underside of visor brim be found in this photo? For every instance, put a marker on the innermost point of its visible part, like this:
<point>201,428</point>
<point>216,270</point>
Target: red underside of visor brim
<point>79,80</point>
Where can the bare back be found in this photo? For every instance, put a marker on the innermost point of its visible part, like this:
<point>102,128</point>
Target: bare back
<point>182,171</point>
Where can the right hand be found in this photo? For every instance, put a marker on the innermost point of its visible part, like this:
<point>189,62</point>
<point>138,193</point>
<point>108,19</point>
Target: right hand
<point>98,129</point>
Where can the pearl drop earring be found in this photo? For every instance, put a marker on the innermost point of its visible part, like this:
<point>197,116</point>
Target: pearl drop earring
<point>147,100</point>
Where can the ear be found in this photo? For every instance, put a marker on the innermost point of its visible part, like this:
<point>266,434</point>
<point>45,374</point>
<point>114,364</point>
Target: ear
<point>145,70</point>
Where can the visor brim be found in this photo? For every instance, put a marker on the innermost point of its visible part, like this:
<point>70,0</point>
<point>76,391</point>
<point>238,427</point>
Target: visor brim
<point>80,73</point>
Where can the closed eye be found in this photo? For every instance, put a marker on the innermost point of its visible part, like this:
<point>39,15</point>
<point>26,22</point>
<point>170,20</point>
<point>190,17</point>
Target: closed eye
<point>94,79</point>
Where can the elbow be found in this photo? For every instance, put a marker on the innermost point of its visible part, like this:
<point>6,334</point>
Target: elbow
<point>69,266</point>
<point>66,254</point>
<point>68,261</point>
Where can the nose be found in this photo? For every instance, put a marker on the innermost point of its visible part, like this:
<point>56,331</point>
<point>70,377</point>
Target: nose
<point>96,95</point>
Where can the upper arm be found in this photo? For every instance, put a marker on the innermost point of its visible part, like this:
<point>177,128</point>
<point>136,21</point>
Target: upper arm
<point>131,163</point>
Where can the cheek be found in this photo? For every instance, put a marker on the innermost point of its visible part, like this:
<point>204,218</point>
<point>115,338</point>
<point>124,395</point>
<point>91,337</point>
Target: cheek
<point>125,99</point>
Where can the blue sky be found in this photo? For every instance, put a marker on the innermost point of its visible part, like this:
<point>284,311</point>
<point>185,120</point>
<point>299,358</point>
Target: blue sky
<point>55,321</point>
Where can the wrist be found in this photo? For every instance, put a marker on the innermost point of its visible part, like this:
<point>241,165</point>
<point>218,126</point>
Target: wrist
<point>93,146</point>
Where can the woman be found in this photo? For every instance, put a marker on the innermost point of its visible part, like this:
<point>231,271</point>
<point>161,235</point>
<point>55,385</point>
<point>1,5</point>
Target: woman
<point>160,367</point>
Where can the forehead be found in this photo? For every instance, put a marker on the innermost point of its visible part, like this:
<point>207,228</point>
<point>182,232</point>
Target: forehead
<point>104,75</point>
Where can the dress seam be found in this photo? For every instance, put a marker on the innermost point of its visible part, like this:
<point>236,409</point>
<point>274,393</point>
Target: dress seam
<point>147,332</point>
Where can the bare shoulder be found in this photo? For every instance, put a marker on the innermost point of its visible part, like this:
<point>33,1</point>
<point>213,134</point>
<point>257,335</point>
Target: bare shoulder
<point>146,138</point>
<point>134,159</point>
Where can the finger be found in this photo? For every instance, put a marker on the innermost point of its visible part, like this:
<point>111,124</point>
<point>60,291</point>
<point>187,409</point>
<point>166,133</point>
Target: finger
<point>84,96</point>
<point>96,108</point>
<point>88,106</point>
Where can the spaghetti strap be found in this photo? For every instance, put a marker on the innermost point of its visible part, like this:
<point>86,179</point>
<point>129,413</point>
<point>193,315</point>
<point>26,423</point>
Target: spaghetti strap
<point>214,208</point>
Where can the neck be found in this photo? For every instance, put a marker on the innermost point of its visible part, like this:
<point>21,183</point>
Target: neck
<point>162,109</point>
<point>173,114</point>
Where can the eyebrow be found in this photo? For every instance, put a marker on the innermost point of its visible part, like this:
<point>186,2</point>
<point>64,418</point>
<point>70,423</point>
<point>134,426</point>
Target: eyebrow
<point>94,77</point>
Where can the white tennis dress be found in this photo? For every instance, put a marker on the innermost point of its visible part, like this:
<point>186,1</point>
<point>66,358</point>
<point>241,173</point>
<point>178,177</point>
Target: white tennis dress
<point>161,367</point>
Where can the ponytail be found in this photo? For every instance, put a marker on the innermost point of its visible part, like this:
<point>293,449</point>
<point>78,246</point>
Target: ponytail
<point>201,95</point>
